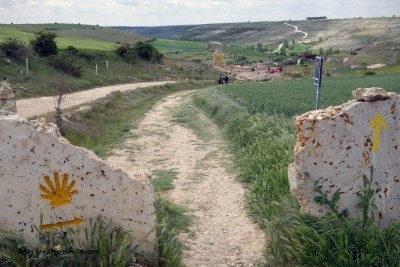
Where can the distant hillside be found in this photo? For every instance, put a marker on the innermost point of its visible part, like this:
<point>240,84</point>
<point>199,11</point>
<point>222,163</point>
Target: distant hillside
<point>163,32</point>
<point>346,34</point>
<point>81,36</point>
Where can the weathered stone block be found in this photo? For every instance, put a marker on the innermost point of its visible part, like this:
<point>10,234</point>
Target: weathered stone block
<point>7,103</point>
<point>6,91</point>
<point>338,145</point>
<point>43,176</point>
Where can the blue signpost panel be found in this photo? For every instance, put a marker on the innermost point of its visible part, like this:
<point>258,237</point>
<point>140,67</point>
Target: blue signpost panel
<point>318,71</point>
<point>318,78</point>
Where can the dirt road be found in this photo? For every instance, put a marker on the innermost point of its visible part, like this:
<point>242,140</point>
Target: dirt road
<point>41,105</point>
<point>296,29</point>
<point>222,234</point>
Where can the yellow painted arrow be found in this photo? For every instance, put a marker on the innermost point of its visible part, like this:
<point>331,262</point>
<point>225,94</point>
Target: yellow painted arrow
<point>75,221</point>
<point>376,123</point>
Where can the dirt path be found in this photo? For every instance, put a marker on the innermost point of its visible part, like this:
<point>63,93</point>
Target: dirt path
<point>41,105</point>
<point>278,49</point>
<point>222,234</point>
<point>296,29</point>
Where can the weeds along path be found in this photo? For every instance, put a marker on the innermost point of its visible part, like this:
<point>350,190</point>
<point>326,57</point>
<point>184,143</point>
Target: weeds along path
<point>41,105</point>
<point>177,139</point>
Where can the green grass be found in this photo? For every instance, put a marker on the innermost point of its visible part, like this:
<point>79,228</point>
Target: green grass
<point>42,77</point>
<point>257,119</point>
<point>187,115</point>
<point>62,42</point>
<point>118,116</point>
<point>169,46</point>
<point>296,97</point>
<point>162,179</point>
<point>84,44</point>
<point>85,37</point>
<point>103,244</point>
<point>171,219</point>
<point>96,46</point>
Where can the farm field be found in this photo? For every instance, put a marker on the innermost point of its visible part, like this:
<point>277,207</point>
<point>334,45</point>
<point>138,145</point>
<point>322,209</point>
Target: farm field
<point>257,119</point>
<point>85,37</point>
<point>292,98</point>
<point>173,46</point>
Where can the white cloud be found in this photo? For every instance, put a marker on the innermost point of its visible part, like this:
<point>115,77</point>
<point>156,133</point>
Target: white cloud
<point>168,12</point>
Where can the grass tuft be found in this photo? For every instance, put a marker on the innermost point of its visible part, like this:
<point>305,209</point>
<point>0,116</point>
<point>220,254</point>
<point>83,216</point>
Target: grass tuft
<point>163,179</point>
<point>104,244</point>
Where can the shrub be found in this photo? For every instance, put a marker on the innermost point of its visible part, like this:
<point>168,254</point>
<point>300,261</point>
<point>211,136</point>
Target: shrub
<point>72,50</point>
<point>147,51</point>
<point>370,72</point>
<point>44,43</point>
<point>85,55</point>
<point>122,50</point>
<point>14,48</point>
<point>141,49</point>
<point>66,64</point>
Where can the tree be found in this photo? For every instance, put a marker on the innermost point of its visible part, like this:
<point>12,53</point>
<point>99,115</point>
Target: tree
<point>260,47</point>
<point>286,43</point>
<point>321,51</point>
<point>44,43</point>
<point>14,48</point>
<point>283,51</point>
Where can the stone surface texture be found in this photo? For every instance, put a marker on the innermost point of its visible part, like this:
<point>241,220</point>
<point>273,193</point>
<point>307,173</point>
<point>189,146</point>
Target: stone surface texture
<point>338,145</point>
<point>370,94</point>
<point>7,103</point>
<point>87,187</point>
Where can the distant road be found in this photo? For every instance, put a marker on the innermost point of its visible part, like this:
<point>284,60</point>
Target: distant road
<point>296,29</point>
<point>278,49</point>
<point>41,105</point>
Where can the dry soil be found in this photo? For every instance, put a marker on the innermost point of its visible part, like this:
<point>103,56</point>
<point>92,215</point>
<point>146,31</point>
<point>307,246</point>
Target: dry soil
<point>221,234</point>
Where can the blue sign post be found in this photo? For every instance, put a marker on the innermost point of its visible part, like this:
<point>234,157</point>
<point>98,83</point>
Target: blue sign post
<point>318,77</point>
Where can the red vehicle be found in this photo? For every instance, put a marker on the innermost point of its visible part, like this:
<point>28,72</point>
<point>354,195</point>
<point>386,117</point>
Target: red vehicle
<point>272,70</point>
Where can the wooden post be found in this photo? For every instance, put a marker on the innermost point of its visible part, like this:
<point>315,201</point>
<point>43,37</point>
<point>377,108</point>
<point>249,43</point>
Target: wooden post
<point>27,66</point>
<point>96,69</point>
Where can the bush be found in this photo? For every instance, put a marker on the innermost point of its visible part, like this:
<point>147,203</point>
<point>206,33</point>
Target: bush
<point>14,48</point>
<point>44,43</point>
<point>122,50</point>
<point>66,64</point>
<point>72,50</point>
<point>147,51</point>
<point>370,72</point>
<point>85,55</point>
<point>141,49</point>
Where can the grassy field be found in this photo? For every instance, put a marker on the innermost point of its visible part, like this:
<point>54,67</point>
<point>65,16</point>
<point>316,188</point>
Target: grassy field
<point>173,46</point>
<point>85,37</point>
<point>295,97</point>
<point>257,119</point>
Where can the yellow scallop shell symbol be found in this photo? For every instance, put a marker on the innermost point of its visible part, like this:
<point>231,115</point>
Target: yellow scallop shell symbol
<point>58,194</point>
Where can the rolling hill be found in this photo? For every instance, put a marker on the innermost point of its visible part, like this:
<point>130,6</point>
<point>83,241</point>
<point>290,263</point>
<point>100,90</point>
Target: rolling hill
<point>345,34</point>
<point>81,36</point>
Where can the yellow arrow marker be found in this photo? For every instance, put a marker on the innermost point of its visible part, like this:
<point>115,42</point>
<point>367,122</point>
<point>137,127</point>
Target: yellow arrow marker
<point>376,123</point>
<point>75,221</point>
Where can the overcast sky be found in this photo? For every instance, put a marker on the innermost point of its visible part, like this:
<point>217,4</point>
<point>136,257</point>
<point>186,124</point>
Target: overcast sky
<point>181,12</point>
